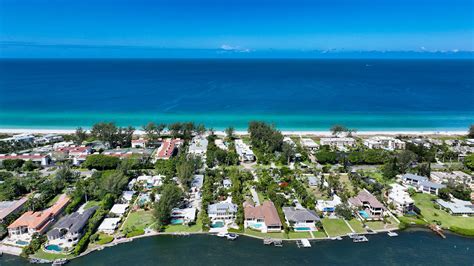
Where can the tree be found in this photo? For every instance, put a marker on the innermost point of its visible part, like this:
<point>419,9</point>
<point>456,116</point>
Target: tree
<point>230,133</point>
<point>153,132</point>
<point>344,211</point>
<point>171,195</point>
<point>288,152</point>
<point>29,166</point>
<point>184,171</point>
<point>80,136</point>
<point>469,161</point>
<point>13,164</point>
<point>443,193</point>
<point>200,129</point>
<point>101,162</point>
<point>424,169</point>
<point>337,129</point>
<point>405,159</point>
<point>105,132</point>
<point>390,168</point>
<point>471,132</point>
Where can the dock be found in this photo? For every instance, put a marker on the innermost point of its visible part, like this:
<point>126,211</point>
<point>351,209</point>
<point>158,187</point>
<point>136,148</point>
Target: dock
<point>275,242</point>
<point>303,243</point>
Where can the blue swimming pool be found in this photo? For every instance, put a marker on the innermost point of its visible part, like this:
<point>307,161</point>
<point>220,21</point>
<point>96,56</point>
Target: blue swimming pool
<point>364,214</point>
<point>177,221</point>
<point>218,224</point>
<point>53,248</point>
<point>257,225</point>
<point>302,229</point>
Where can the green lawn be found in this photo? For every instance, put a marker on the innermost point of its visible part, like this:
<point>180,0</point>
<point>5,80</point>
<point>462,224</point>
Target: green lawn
<point>91,204</point>
<point>335,227</point>
<point>319,234</point>
<point>103,239</point>
<point>357,226</point>
<point>425,204</point>
<point>380,225</point>
<point>279,235</point>
<point>53,200</point>
<point>138,220</point>
<point>411,220</point>
<point>179,228</point>
<point>298,235</point>
<point>40,254</point>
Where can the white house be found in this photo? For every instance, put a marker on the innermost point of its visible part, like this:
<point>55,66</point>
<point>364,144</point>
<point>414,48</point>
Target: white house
<point>244,151</point>
<point>328,206</point>
<point>421,183</point>
<point>198,146</point>
<point>109,225</point>
<point>220,144</point>
<point>183,216</point>
<point>454,176</point>
<point>119,209</point>
<point>401,200</point>
<point>309,144</point>
<point>339,143</point>
<point>224,211</point>
<point>383,142</point>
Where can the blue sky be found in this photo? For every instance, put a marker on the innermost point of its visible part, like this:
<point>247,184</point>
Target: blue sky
<point>237,28</point>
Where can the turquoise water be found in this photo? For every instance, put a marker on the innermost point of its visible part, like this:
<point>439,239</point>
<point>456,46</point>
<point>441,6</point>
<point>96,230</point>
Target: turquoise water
<point>177,221</point>
<point>256,225</point>
<point>364,214</point>
<point>218,224</point>
<point>21,243</point>
<point>293,94</point>
<point>409,248</point>
<point>302,229</point>
<point>53,248</point>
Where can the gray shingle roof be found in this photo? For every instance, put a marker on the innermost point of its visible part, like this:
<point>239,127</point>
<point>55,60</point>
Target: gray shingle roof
<point>73,222</point>
<point>299,215</point>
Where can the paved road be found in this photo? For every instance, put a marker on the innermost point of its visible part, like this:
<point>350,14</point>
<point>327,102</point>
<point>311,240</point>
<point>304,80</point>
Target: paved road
<point>255,196</point>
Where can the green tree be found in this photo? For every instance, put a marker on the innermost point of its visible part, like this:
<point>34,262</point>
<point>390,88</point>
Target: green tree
<point>29,166</point>
<point>344,211</point>
<point>469,161</point>
<point>80,136</point>
<point>443,193</point>
<point>337,129</point>
<point>230,133</point>
<point>106,132</point>
<point>171,195</point>
<point>101,162</point>
<point>470,134</point>
<point>13,164</point>
<point>405,159</point>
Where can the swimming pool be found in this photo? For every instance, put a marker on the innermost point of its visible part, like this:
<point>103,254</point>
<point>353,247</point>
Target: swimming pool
<point>256,225</point>
<point>217,224</point>
<point>53,248</point>
<point>302,229</point>
<point>177,221</point>
<point>21,243</point>
<point>364,214</point>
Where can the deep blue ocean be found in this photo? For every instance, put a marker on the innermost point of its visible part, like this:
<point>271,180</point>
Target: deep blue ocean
<point>294,94</point>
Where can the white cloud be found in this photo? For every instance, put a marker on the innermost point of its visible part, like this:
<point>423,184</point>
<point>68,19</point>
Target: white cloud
<point>230,48</point>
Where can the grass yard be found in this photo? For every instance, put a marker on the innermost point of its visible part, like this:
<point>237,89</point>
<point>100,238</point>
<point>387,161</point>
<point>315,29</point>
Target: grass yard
<point>278,235</point>
<point>40,254</point>
<point>357,226</point>
<point>319,234</point>
<point>103,239</point>
<point>380,225</point>
<point>184,228</point>
<point>138,220</point>
<point>91,204</point>
<point>335,227</point>
<point>53,200</point>
<point>298,235</point>
<point>431,214</point>
<point>411,220</point>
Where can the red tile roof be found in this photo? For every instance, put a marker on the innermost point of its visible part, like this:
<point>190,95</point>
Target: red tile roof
<point>266,211</point>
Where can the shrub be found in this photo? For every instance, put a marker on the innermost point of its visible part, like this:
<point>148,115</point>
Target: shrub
<point>101,162</point>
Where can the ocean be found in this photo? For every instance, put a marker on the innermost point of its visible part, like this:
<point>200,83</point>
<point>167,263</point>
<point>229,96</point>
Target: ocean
<point>434,95</point>
<point>409,248</point>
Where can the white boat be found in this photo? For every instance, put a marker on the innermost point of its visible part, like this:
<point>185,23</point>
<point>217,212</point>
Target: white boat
<point>231,236</point>
<point>303,243</point>
<point>358,239</point>
<point>336,238</point>
<point>221,234</point>
<point>392,234</point>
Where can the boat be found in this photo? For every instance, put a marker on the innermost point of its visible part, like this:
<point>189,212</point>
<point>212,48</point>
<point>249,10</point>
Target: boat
<point>303,243</point>
<point>437,229</point>
<point>231,236</point>
<point>39,261</point>
<point>358,239</point>
<point>221,234</point>
<point>392,234</point>
<point>336,238</point>
<point>60,262</point>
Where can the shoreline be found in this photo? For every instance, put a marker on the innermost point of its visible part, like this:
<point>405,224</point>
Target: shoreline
<point>244,132</point>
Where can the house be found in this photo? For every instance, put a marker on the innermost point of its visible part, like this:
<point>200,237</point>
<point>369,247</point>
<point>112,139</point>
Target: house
<point>8,208</point>
<point>309,144</point>
<point>224,211</point>
<point>127,196</point>
<point>457,207</point>
<point>77,153</point>
<point>119,209</point>
<point>48,138</point>
<point>338,143</point>
<point>454,176</point>
<point>421,183</point>
<point>69,229</point>
<point>401,200</point>
<point>167,149</point>
<point>198,146</point>
<point>109,225</point>
<point>25,138</point>
<point>139,143</point>
<point>313,181</point>
<point>36,222</point>
<point>300,218</point>
<point>328,206</point>
<point>244,151</point>
<point>40,159</point>
<point>263,218</point>
<point>220,144</point>
<point>289,141</point>
<point>369,208</point>
<point>183,216</point>
<point>149,181</point>
<point>127,152</point>
<point>386,143</point>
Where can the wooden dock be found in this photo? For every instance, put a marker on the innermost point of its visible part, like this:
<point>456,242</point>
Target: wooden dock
<point>275,242</point>
<point>437,229</point>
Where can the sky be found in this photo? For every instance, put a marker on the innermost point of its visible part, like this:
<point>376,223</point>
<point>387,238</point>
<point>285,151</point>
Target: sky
<point>235,28</point>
